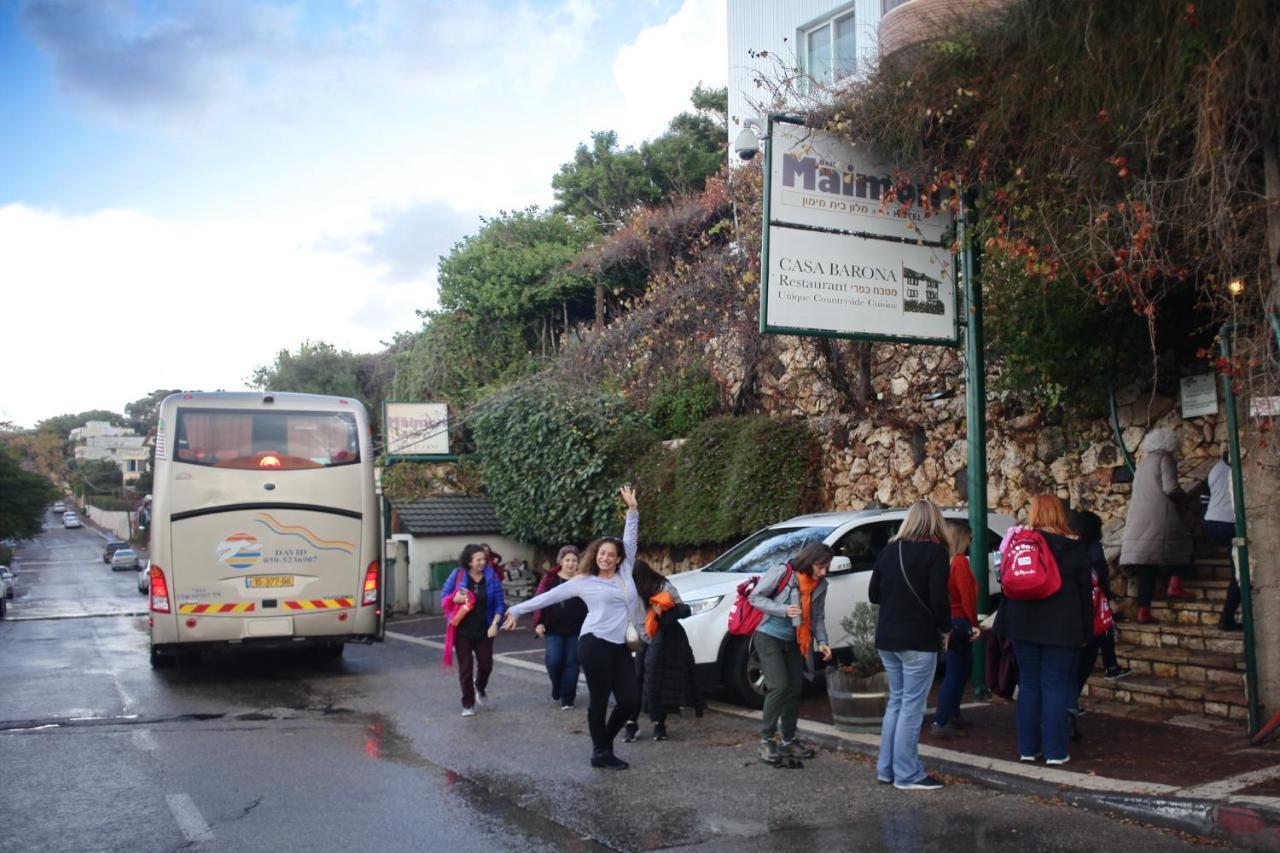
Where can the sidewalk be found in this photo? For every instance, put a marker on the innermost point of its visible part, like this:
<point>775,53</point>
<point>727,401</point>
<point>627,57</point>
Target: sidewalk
<point>1203,781</point>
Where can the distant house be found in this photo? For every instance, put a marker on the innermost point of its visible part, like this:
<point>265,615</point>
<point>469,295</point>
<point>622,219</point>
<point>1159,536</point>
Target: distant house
<point>435,531</point>
<point>100,440</point>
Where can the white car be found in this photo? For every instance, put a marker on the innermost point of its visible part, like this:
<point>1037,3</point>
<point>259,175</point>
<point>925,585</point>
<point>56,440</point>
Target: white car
<point>70,519</point>
<point>125,558</point>
<point>59,506</point>
<point>856,538</point>
<point>144,576</point>
<point>8,582</point>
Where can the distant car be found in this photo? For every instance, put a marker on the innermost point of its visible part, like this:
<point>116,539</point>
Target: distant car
<point>111,548</point>
<point>59,506</point>
<point>124,558</point>
<point>8,582</point>
<point>144,576</point>
<point>70,519</point>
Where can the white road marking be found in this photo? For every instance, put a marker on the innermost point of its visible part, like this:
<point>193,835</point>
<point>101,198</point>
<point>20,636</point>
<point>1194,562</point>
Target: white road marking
<point>143,740</point>
<point>1223,787</point>
<point>188,817</point>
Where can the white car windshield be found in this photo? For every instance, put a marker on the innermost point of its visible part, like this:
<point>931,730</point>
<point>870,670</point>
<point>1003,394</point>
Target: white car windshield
<point>766,548</point>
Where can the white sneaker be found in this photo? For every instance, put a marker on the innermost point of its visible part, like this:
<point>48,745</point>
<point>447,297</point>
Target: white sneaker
<point>566,707</point>
<point>481,699</point>
<point>1057,760</point>
<point>468,712</point>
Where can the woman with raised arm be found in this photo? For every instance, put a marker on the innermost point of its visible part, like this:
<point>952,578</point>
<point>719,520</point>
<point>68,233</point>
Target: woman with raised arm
<point>605,584</point>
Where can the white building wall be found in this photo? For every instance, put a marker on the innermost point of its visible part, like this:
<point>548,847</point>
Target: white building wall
<point>773,25</point>
<point>425,550</point>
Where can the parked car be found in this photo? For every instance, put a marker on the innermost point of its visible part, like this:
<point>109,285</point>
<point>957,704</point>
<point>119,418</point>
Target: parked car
<point>856,538</point>
<point>59,506</point>
<point>111,548</point>
<point>8,582</point>
<point>124,558</point>
<point>144,576</point>
<point>70,519</point>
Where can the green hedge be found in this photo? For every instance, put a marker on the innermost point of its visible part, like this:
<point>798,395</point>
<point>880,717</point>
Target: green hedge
<point>732,476</point>
<point>109,503</point>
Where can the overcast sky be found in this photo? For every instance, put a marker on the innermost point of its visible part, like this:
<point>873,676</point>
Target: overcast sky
<point>187,187</point>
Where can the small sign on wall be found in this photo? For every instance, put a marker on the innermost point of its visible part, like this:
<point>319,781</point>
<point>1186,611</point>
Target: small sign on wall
<point>1199,395</point>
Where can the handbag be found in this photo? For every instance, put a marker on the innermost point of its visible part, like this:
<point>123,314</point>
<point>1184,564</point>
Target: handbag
<point>633,640</point>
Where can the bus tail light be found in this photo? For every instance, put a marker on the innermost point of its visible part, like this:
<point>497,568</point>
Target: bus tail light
<point>159,590</point>
<point>370,595</point>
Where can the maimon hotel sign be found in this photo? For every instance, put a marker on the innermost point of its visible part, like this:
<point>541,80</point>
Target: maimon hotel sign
<point>849,249</point>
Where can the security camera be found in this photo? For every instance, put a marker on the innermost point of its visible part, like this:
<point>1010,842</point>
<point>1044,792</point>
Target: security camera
<point>746,145</point>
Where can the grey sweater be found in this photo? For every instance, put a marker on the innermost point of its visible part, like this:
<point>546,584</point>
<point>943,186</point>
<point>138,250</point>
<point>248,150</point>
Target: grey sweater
<point>763,599</point>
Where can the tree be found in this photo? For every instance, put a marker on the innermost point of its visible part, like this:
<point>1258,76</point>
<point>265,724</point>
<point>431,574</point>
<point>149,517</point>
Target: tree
<point>603,182</point>
<point>455,357</point>
<point>518,271</point>
<point>24,498</point>
<point>316,368</point>
<point>144,413</point>
<point>98,476</point>
<point>63,424</point>
<point>693,147</point>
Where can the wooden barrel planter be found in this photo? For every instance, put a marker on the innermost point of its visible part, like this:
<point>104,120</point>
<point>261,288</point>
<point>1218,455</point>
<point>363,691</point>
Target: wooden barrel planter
<point>857,701</point>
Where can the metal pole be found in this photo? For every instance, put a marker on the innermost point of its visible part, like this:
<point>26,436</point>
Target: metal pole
<point>976,422</point>
<point>1241,541</point>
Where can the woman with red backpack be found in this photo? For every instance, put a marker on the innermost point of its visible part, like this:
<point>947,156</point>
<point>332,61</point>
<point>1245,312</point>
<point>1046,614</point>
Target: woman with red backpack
<point>1048,630</point>
<point>792,598</point>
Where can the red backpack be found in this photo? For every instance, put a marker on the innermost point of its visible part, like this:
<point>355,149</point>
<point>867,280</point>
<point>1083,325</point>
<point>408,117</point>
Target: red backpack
<point>1028,569</point>
<point>744,617</point>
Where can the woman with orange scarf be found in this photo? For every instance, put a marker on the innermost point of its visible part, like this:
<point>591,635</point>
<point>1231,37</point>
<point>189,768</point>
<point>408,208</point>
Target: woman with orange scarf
<point>792,598</point>
<point>664,668</point>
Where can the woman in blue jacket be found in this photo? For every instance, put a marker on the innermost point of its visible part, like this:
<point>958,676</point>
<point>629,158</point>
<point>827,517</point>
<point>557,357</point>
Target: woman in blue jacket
<point>476,583</point>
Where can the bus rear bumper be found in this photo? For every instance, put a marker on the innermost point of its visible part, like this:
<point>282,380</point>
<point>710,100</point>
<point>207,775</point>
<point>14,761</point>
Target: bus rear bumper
<point>189,630</point>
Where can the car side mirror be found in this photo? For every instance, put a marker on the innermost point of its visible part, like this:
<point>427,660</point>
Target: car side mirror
<point>840,564</point>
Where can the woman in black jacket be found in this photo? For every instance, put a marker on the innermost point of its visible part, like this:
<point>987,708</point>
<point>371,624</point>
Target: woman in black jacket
<point>1047,635</point>
<point>909,582</point>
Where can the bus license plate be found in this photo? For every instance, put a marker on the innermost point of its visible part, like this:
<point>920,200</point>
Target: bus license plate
<point>269,582</point>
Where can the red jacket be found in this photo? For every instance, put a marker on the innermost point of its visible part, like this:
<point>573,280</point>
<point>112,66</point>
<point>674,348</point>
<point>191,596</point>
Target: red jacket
<point>962,589</point>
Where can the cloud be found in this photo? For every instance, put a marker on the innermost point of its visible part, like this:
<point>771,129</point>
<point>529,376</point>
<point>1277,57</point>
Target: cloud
<point>657,72</point>
<point>133,303</point>
<point>410,240</point>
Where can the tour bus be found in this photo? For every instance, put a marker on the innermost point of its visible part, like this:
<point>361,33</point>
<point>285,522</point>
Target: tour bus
<point>265,527</point>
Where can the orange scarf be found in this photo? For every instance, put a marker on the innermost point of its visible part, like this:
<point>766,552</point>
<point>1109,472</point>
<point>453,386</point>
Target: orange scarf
<point>664,602</point>
<point>804,632</point>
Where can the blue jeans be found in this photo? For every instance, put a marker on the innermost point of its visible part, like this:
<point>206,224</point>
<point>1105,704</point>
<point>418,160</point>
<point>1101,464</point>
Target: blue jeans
<point>1046,690</point>
<point>910,676</point>
<point>959,663</point>
<point>561,657</point>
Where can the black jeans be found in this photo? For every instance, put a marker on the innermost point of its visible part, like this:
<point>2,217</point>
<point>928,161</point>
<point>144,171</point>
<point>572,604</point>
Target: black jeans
<point>1147,580</point>
<point>610,671</point>
<point>473,677</point>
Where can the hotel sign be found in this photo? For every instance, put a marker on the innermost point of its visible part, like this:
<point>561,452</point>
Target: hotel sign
<point>416,429</point>
<point>850,249</point>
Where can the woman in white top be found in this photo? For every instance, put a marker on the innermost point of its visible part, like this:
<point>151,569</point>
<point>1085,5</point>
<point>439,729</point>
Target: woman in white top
<point>605,584</point>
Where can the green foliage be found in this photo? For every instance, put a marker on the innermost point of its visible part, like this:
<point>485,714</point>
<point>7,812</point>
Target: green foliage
<point>144,412</point>
<point>316,368</point>
<point>97,476</point>
<point>110,503</point>
<point>732,476</point>
<point>860,630</point>
<point>407,481</point>
<point>456,357</point>
<point>24,498</point>
<point>607,183</point>
<point>679,405</point>
<point>553,459</point>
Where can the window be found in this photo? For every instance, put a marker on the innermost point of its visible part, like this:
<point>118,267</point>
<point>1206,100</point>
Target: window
<point>266,440</point>
<point>863,544</point>
<point>765,549</point>
<point>830,48</point>
<point>887,6</point>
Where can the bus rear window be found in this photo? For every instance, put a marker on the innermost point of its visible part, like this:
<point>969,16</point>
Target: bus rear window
<point>266,441</point>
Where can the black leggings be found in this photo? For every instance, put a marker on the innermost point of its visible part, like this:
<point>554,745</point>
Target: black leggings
<point>609,670</point>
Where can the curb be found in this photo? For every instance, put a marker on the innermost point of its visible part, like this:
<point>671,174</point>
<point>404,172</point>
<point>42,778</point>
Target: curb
<point>1253,826</point>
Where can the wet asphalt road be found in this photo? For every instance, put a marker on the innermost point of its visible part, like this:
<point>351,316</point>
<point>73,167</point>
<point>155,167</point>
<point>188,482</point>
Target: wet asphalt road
<point>286,752</point>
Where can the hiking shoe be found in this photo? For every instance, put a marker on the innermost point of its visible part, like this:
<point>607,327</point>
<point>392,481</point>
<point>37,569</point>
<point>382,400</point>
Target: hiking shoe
<point>941,732</point>
<point>958,723</point>
<point>1115,672</point>
<point>608,761</point>
<point>659,731</point>
<point>629,733</point>
<point>795,749</point>
<point>928,783</point>
<point>769,751</point>
<point>1062,760</point>
<point>468,712</point>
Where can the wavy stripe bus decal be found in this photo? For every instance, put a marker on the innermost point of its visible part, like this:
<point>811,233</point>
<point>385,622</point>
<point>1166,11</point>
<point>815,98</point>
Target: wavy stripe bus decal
<point>308,536</point>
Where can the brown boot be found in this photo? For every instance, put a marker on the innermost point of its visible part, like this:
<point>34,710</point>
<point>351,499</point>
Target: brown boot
<point>1144,616</point>
<point>1176,590</point>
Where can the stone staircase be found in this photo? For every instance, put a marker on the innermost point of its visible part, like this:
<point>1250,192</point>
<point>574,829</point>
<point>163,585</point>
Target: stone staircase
<point>1183,664</point>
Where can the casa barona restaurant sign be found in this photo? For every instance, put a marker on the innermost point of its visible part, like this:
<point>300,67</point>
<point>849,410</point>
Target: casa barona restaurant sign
<point>849,249</point>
